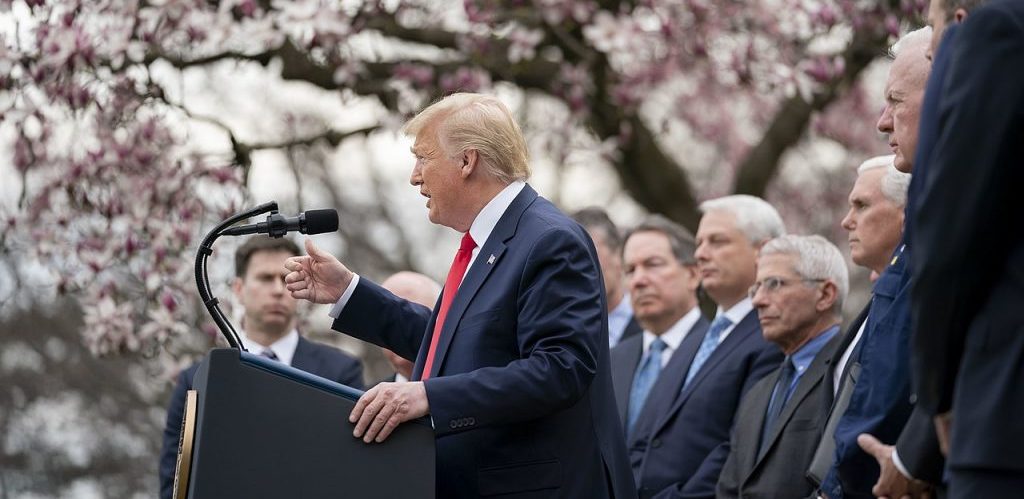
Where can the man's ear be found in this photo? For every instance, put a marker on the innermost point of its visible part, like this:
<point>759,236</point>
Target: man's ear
<point>469,160</point>
<point>236,287</point>
<point>829,295</point>
<point>959,15</point>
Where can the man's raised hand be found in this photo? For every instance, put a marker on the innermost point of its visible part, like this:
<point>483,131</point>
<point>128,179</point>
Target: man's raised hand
<point>317,276</point>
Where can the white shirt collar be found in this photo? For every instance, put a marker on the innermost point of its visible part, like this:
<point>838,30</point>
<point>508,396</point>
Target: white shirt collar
<point>488,217</point>
<point>735,314</point>
<point>675,334</point>
<point>283,348</point>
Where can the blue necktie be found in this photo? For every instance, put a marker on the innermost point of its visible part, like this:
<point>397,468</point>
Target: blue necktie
<point>644,379</point>
<point>268,353</point>
<point>707,346</point>
<point>778,401</point>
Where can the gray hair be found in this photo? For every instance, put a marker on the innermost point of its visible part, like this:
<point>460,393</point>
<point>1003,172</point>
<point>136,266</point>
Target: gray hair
<point>680,240</point>
<point>923,35</point>
<point>894,184</point>
<point>755,218</point>
<point>480,122</point>
<point>816,258</point>
<point>596,219</point>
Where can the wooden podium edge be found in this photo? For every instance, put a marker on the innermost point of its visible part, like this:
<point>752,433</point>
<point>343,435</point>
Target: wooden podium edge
<point>184,466</point>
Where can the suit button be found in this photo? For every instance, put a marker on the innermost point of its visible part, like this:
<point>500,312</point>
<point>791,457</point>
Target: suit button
<point>472,421</point>
<point>453,424</point>
<point>656,443</point>
<point>913,398</point>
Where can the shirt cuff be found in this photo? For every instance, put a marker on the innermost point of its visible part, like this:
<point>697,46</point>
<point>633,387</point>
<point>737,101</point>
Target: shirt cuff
<point>338,307</point>
<point>899,464</point>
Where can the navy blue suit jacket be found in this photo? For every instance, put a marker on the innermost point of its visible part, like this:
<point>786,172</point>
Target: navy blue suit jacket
<point>520,394</point>
<point>679,451</point>
<point>880,403</point>
<point>625,359</point>
<point>969,228</point>
<point>314,358</point>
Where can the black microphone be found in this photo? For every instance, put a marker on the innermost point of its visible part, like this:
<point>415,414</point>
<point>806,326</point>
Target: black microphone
<point>277,225</point>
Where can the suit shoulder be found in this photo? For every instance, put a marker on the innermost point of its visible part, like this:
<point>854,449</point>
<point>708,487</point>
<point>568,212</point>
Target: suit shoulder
<point>331,353</point>
<point>626,347</point>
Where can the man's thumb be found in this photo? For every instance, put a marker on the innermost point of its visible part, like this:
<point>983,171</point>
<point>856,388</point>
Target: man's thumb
<point>871,445</point>
<point>314,251</point>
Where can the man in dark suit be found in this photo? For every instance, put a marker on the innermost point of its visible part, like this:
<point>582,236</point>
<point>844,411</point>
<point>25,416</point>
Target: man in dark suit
<point>512,366</point>
<point>969,267</point>
<point>681,453</point>
<point>801,285</point>
<point>648,369</point>
<point>268,329</point>
<point>621,322</point>
<point>880,403</point>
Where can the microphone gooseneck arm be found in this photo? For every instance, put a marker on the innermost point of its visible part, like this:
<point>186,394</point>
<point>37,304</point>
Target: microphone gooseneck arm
<point>203,280</point>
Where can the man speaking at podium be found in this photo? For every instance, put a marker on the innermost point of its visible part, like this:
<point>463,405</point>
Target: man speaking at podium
<point>512,365</point>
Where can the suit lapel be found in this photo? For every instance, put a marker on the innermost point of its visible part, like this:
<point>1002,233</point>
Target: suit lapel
<point>736,336</point>
<point>816,372</point>
<point>670,381</point>
<point>753,422</point>
<point>303,359</point>
<point>622,373</point>
<point>486,260</point>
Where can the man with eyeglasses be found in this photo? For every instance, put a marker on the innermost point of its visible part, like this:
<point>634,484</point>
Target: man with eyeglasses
<point>801,285</point>
<point>682,453</point>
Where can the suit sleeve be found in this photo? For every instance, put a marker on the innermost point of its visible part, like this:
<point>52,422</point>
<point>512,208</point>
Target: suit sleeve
<point>376,315</point>
<point>964,221</point>
<point>172,432</point>
<point>918,447</point>
<point>702,483</point>
<point>559,330</point>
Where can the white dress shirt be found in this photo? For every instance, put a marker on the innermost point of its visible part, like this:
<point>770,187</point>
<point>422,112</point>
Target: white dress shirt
<point>736,313</point>
<point>480,230</point>
<point>673,337</point>
<point>283,348</point>
<point>618,319</point>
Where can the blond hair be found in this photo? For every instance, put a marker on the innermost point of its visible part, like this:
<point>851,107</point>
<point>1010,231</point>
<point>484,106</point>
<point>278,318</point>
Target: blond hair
<point>480,122</point>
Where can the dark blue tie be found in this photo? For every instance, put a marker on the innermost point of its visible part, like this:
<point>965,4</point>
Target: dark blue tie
<point>644,379</point>
<point>779,397</point>
<point>268,353</point>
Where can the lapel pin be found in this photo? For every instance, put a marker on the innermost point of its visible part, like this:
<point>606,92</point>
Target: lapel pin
<point>490,260</point>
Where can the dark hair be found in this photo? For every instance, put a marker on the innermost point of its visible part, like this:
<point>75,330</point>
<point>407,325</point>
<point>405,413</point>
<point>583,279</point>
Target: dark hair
<point>950,6</point>
<point>595,218</point>
<point>257,244</point>
<point>680,240</point>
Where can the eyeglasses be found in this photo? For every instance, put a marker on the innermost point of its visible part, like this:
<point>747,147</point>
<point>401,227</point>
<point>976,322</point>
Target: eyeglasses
<point>772,284</point>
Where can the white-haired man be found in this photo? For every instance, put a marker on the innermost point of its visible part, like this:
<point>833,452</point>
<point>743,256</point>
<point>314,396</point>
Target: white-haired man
<point>682,453</point>
<point>512,366</point>
<point>801,284</point>
<point>877,368</point>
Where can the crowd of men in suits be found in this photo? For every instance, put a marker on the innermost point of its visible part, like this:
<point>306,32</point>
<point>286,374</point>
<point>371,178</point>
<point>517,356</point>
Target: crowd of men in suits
<point>915,398</point>
<point>765,396</point>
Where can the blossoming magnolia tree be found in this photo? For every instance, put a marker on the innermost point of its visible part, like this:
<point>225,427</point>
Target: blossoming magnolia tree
<point>107,200</point>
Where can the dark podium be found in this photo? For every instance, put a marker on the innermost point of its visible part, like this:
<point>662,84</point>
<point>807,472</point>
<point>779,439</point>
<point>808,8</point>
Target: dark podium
<point>257,428</point>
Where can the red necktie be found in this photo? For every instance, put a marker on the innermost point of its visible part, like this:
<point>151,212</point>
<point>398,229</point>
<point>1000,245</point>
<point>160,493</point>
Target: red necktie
<point>451,287</point>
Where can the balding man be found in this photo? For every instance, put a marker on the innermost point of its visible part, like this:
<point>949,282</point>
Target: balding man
<point>416,288</point>
<point>513,365</point>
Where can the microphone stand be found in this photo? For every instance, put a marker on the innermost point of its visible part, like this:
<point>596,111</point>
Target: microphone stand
<point>203,280</point>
